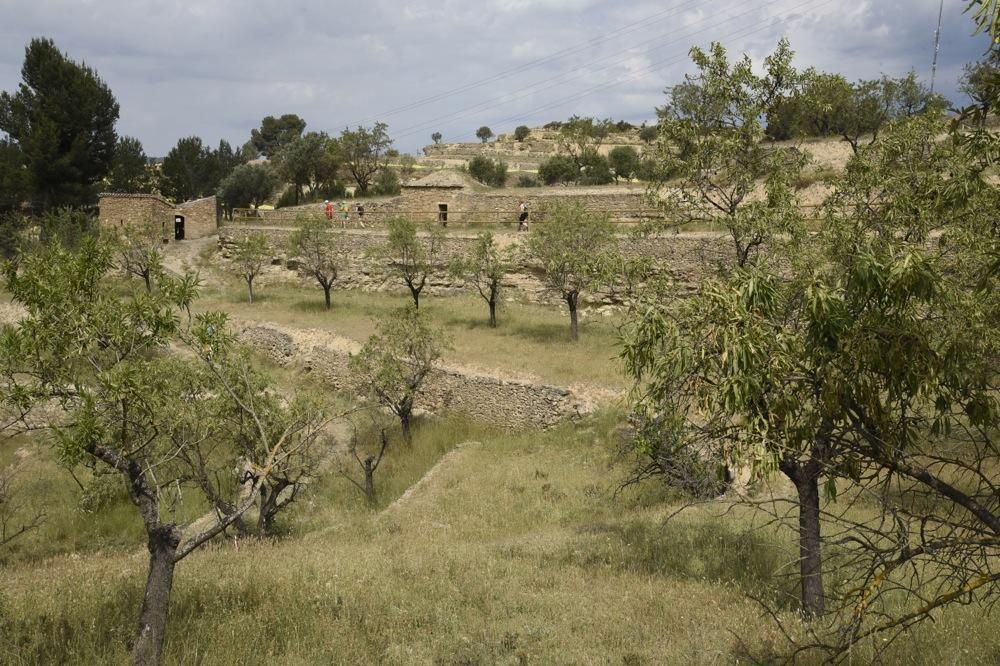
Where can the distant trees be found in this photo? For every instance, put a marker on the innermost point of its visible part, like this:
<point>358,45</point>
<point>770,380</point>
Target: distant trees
<point>251,254</point>
<point>411,256</point>
<point>485,268</point>
<point>828,105</point>
<point>484,133</point>
<point>521,132</point>
<point>436,137</point>
<point>276,133</point>
<point>363,151</point>
<point>487,171</point>
<point>248,185</point>
<point>558,169</point>
<point>316,248</point>
<point>60,127</point>
<point>981,81</point>
<point>308,162</point>
<point>190,170</point>
<point>624,162</point>
<point>395,362</point>
<point>572,248</point>
<point>648,134</point>
<point>129,169</point>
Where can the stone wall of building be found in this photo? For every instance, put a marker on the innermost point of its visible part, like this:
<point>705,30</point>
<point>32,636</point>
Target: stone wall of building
<point>200,217</point>
<point>116,210</point>
<point>506,403</point>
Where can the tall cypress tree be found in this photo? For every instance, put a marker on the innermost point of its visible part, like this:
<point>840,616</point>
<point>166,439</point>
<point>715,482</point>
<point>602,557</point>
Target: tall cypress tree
<point>62,120</point>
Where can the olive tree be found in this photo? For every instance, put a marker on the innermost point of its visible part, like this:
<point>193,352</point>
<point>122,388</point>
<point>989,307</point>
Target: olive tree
<point>571,249</point>
<point>484,133</point>
<point>394,363</point>
<point>249,257</point>
<point>166,422</point>
<point>316,248</point>
<point>485,268</point>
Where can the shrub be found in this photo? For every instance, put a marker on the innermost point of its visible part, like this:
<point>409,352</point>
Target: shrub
<point>522,132</point>
<point>387,183</point>
<point>487,171</point>
<point>524,180</point>
<point>558,169</point>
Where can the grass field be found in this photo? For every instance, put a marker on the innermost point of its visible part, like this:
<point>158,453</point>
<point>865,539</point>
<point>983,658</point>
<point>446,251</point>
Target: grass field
<point>531,341</point>
<point>516,551</point>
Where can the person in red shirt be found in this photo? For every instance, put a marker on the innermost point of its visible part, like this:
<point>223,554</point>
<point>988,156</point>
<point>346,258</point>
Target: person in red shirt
<point>328,209</point>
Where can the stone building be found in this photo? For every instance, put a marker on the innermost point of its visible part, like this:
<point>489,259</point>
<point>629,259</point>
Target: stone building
<point>450,196</point>
<point>191,219</point>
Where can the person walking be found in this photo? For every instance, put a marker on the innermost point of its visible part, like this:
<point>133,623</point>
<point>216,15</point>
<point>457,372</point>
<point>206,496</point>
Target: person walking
<point>344,214</point>
<point>328,209</point>
<point>361,214</point>
<point>522,217</point>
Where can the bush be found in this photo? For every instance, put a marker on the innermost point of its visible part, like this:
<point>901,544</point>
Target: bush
<point>594,169</point>
<point>624,161</point>
<point>525,180</point>
<point>558,169</point>
<point>522,132</point>
<point>487,171</point>
<point>287,198</point>
<point>387,183</point>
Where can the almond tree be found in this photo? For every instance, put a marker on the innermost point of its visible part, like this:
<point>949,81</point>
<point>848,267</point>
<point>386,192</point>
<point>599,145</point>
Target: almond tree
<point>165,422</point>
<point>316,248</point>
<point>486,268</point>
<point>395,362</point>
<point>572,247</point>
<point>251,254</point>
<point>411,256</point>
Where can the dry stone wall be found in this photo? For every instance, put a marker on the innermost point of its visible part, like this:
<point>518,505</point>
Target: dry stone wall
<point>687,258</point>
<point>503,402</point>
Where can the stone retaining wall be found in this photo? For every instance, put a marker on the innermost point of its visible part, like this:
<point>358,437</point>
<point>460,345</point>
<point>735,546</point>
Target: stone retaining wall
<point>507,403</point>
<point>687,258</point>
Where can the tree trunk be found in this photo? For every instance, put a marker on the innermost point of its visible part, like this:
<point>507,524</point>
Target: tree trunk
<point>805,476</point>
<point>250,288</point>
<point>326,295</point>
<point>810,548</point>
<point>162,544</point>
<point>147,277</point>
<point>493,313</point>
<point>369,467</point>
<point>415,293</point>
<point>404,422</point>
<point>571,301</point>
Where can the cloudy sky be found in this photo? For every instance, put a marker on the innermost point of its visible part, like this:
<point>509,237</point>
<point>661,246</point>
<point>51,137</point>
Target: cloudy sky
<point>214,68</point>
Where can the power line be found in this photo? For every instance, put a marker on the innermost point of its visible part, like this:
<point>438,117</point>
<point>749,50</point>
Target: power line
<point>736,34</point>
<point>562,78</point>
<point>626,29</point>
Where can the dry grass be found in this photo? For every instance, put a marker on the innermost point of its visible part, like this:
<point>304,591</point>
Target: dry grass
<point>531,341</point>
<point>516,552</point>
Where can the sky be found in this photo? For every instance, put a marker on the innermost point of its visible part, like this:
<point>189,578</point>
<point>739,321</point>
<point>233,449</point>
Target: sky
<point>214,68</point>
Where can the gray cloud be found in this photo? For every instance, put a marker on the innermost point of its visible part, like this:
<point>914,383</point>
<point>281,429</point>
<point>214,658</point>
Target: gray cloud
<point>214,69</point>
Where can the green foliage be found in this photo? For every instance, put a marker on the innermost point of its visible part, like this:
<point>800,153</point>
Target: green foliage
<point>276,133</point>
<point>527,180</point>
<point>986,17</point>
<point>485,268</point>
<point>363,152</point>
<point>190,170</point>
<point>68,227</point>
<point>62,122</point>
<point>981,80</point>
<point>387,183</point>
<point>139,249</point>
<point>407,165</point>
<point>316,249</point>
<point>648,134</point>
<point>436,137</point>
<point>573,248</point>
<point>487,171</point>
<point>395,361</point>
<point>252,253</point>
<point>594,168</point>
<point>624,162</point>
<point>411,256</point>
<point>558,169</point>
<point>711,139</point>
<point>484,133</point>
<point>129,169</point>
<point>521,132</point>
<point>308,162</point>
<point>248,185</point>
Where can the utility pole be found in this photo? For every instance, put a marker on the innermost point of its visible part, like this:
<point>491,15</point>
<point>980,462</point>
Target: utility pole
<point>937,45</point>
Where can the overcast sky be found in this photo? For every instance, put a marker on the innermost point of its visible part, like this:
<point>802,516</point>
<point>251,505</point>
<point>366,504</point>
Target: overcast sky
<point>214,68</point>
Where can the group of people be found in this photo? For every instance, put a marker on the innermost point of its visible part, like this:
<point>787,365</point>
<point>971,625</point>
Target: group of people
<point>359,208</point>
<point>345,213</point>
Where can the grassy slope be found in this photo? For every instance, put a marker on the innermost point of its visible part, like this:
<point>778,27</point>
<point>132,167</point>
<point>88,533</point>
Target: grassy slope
<point>514,552</point>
